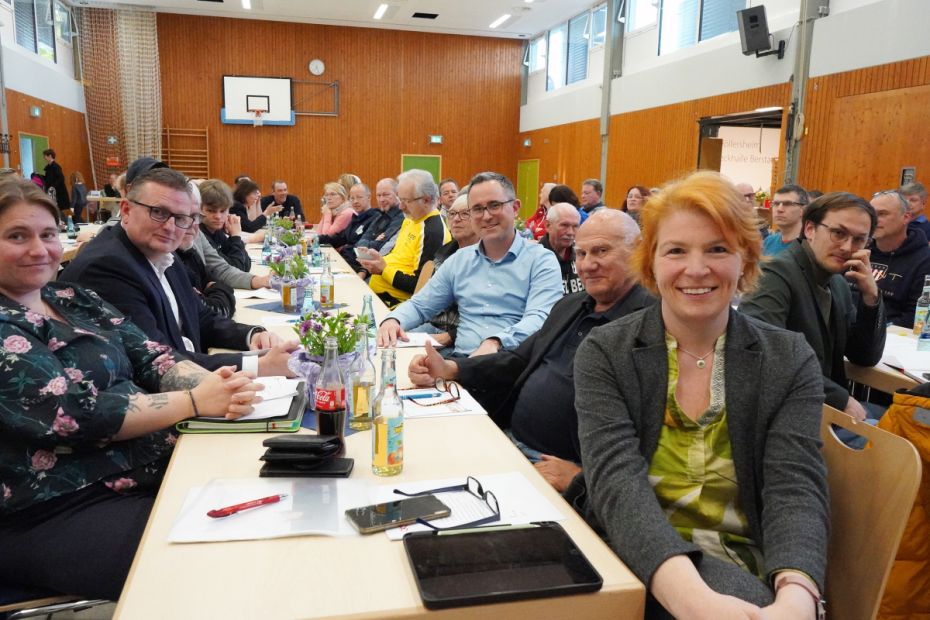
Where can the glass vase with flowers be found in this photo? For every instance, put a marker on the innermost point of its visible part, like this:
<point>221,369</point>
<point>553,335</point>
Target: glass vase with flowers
<point>312,330</point>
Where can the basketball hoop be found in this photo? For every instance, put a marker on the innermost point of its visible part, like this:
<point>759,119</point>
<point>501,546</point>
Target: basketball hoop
<point>257,117</point>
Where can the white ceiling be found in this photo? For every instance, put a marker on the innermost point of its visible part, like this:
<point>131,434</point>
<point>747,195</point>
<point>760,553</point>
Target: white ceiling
<point>468,17</point>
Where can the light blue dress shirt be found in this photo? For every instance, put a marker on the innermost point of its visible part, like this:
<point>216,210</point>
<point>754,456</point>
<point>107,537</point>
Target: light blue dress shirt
<point>507,299</point>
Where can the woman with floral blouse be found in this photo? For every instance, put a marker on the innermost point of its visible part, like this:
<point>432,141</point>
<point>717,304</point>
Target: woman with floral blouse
<point>87,410</point>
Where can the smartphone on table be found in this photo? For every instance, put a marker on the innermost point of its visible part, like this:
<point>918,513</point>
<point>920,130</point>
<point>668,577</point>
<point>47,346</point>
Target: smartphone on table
<point>380,517</point>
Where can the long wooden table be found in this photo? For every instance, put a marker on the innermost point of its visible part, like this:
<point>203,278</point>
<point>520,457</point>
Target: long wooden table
<point>350,577</point>
<point>881,376</point>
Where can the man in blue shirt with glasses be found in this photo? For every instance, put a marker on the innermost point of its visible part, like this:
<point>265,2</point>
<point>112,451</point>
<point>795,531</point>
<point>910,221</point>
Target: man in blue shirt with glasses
<point>504,285</point>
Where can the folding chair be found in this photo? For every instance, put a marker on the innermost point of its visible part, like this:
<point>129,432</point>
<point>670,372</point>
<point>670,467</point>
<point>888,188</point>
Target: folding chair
<point>871,495</point>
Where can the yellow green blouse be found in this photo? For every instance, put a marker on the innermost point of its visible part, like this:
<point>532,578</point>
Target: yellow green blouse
<point>693,474</point>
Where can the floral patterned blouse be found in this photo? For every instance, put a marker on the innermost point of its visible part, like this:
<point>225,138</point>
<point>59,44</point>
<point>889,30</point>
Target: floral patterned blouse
<point>64,391</point>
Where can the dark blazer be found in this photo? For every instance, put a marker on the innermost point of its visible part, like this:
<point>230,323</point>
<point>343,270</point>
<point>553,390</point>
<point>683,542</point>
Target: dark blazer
<point>218,295</point>
<point>774,400</point>
<point>785,297</point>
<point>248,225</point>
<point>113,267</point>
<point>501,376</point>
<point>55,178</point>
<point>354,231</point>
<point>290,206</point>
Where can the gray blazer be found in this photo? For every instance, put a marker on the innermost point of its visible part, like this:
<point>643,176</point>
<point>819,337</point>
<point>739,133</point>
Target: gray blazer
<point>774,396</point>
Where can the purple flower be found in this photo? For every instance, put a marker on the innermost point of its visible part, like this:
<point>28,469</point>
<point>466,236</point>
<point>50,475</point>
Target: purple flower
<point>318,327</point>
<point>305,327</point>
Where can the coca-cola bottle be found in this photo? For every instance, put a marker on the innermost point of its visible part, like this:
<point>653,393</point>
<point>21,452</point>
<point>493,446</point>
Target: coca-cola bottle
<point>330,393</point>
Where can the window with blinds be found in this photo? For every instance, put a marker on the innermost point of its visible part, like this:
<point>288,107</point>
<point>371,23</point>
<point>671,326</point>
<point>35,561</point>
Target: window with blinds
<point>719,17</point>
<point>35,26</point>
<point>682,23</point>
<point>24,12</point>
<point>578,36</point>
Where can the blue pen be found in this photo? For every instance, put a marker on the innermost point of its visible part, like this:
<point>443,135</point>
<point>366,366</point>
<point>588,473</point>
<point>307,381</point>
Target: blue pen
<point>421,396</point>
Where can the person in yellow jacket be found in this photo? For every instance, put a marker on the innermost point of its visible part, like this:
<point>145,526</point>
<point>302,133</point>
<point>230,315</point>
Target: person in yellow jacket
<point>394,277</point>
<point>907,593</point>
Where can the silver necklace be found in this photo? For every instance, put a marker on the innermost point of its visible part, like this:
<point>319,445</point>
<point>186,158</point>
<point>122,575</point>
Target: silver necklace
<point>700,358</point>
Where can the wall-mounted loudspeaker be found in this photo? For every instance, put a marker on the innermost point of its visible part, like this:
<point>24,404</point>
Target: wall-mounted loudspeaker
<point>754,33</point>
<point>753,30</point>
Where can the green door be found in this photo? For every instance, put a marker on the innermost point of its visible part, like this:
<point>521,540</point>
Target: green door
<point>430,163</point>
<point>30,153</point>
<point>528,186</point>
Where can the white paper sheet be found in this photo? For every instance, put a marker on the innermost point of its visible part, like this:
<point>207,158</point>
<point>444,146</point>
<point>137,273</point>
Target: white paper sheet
<point>427,407</point>
<point>417,339</point>
<point>276,320</point>
<point>259,293</point>
<point>313,506</point>
<point>276,398</point>
<point>901,352</point>
<point>518,499</point>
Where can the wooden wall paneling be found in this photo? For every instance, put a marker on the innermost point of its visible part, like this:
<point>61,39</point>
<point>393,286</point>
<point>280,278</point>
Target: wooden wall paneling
<point>64,128</point>
<point>396,88</point>
<point>650,147</point>
<point>873,138</point>
<point>862,126</point>
<point>568,154</point>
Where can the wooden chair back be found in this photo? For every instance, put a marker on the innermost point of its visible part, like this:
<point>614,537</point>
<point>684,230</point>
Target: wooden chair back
<point>872,492</point>
<point>426,272</point>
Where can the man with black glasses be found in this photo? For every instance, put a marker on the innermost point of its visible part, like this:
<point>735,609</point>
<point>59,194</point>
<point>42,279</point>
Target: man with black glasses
<point>900,257</point>
<point>823,287</point>
<point>132,266</point>
<point>504,285</point>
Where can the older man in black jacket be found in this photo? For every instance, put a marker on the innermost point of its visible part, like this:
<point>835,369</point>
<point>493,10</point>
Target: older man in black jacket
<point>530,389</point>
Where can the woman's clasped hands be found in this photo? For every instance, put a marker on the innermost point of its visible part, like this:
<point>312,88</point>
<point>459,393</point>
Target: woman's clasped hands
<point>227,393</point>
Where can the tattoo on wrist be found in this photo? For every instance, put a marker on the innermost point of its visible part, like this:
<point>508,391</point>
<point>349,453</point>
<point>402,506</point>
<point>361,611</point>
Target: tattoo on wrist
<point>133,405</point>
<point>158,401</point>
<point>183,376</point>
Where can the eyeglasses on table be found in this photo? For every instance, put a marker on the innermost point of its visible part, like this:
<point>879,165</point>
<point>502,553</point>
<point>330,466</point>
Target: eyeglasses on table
<point>472,486</point>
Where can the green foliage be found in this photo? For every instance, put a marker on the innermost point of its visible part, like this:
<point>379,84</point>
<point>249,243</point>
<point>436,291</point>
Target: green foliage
<point>290,238</point>
<point>315,327</point>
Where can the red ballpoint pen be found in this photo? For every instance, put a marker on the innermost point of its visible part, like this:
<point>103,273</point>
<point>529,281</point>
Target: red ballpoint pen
<point>255,503</point>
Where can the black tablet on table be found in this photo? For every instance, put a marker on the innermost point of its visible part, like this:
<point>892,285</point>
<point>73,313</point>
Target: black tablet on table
<point>491,565</point>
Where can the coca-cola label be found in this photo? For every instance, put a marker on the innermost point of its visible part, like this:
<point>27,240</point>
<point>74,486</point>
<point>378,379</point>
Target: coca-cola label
<point>329,400</point>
